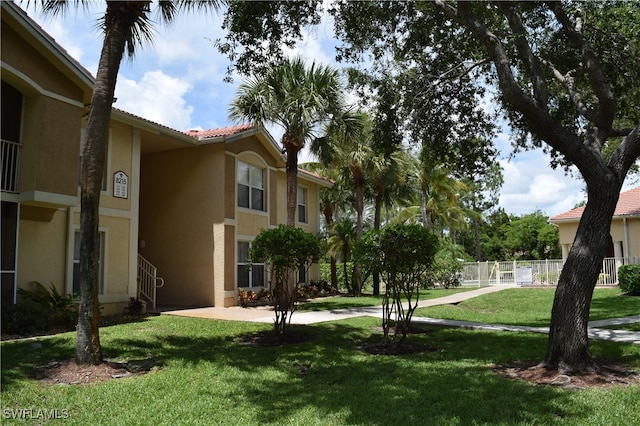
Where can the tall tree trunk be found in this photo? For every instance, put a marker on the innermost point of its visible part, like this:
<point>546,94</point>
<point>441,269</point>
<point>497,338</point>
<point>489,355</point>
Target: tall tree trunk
<point>328,218</point>
<point>88,350</point>
<point>376,226</point>
<point>568,348</point>
<point>358,179</point>
<point>292,148</point>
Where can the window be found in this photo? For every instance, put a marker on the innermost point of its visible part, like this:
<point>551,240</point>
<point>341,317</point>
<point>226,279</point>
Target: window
<point>302,274</point>
<point>250,186</point>
<point>83,140</point>
<point>76,263</point>
<point>302,205</point>
<point>248,277</point>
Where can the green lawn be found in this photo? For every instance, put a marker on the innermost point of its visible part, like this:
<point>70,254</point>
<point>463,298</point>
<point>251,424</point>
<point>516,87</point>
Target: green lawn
<point>530,306</point>
<point>343,302</point>
<point>208,378</point>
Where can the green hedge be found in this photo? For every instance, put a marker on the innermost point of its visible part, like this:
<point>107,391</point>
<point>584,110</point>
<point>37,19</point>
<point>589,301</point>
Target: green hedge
<point>629,279</point>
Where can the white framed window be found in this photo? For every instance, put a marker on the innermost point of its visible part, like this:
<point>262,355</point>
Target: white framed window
<point>250,186</point>
<point>249,276</point>
<point>76,262</point>
<point>302,205</point>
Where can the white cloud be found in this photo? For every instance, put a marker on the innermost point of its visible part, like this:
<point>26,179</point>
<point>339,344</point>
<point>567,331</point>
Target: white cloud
<point>531,184</point>
<point>310,48</point>
<point>156,97</point>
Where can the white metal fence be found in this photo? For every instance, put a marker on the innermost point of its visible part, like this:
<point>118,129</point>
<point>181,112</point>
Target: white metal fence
<point>533,272</point>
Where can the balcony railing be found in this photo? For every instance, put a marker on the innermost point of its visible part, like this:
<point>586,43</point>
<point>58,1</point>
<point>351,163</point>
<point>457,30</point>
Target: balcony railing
<point>11,152</point>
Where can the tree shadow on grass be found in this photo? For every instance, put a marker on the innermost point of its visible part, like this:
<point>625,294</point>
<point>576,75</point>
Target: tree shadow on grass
<point>620,305</point>
<point>332,378</point>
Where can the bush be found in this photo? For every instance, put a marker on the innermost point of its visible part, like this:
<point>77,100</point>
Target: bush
<point>403,255</point>
<point>40,309</point>
<point>629,279</point>
<point>246,297</point>
<point>285,249</point>
<point>135,306</point>
<point>445,272</point>
<point>325,275</point>
<point>24,318</point>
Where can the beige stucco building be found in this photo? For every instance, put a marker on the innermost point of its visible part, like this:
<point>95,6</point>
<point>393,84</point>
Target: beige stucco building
<point>624,242</point>
<point>201,208</point>
<point>190,203</point>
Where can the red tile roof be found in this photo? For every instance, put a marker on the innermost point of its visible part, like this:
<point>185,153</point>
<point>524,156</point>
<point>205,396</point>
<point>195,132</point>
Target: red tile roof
<point>628,205</point>
<point>219,132</point>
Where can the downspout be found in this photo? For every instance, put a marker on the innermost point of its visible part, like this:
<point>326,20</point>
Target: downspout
<point>626,239</point>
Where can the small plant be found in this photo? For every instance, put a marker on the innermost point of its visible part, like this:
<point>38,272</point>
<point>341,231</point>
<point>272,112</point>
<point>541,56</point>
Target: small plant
<point>246,297</point>
<point>135,306</point>
<point>62,310</point>
<point>320,288</point>
<point>629,279</point>
<point>265,296</point>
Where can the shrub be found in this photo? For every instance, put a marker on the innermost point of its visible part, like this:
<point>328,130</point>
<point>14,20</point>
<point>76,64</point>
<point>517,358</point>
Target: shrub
<point>135,306</point>
<point>321,288</point>
<point>285,249</point>
<point>246,297</point>
<point>629,279</point>
<point>445,272</point>
<point>39,309</point>
<point>403,255</point>
<point>61,310</point>
<point>24,318</point>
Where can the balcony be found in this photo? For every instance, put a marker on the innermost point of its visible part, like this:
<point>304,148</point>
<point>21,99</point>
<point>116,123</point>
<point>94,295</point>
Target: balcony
<point>11,153</point>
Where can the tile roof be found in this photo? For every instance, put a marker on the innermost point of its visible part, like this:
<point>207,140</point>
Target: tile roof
<point>628,205</point>
<point>315,175</point>
<point>219,132</point>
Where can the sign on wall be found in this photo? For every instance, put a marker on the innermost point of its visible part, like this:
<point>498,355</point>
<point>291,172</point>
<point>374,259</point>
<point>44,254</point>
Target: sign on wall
<point>120,185</point>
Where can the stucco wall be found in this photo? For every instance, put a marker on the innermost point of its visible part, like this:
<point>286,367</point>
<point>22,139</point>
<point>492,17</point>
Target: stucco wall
<point>180,200</point>
<point>567,232</point>
<point>42,249</point>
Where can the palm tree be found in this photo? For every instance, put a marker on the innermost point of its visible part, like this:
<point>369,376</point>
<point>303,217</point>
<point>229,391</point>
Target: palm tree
<point>341,241</point>
<point>390,183</point>
<point>332,201</point>
<point>350,150</point>
<point>126,25</point>
<point>299,99</point>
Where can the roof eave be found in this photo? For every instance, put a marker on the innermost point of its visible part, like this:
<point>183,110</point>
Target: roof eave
<point>45,40</point>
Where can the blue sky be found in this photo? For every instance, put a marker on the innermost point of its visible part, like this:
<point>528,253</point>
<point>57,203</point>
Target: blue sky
<point>178,82</point>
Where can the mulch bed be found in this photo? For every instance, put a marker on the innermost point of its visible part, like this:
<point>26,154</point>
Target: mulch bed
<point>608,375</point>
<point>67,372</point>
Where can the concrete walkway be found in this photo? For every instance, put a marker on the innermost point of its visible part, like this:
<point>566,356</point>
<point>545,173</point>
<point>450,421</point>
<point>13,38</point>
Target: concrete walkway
<point>265,315</point>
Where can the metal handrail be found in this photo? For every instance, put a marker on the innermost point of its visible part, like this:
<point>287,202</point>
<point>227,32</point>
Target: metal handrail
<point>148,280</point>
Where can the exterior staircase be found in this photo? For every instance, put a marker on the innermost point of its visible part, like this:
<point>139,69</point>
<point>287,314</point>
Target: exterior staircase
<point>148,281</point>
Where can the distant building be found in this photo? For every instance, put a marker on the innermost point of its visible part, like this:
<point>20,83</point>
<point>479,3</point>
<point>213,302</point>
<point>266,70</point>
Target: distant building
<point>624,239</point>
